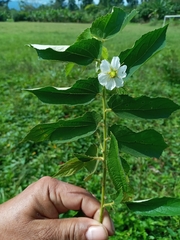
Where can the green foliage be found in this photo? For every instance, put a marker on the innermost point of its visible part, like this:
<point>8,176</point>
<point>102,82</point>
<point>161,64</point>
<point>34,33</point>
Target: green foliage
<point>148,45</point>
<point>161,8</point>
<point>87,11</point>
<point>82,92</point>
<point>80,161</point>
<point>156,207</point>
<point>87,3</point>
<point>146,143</point>
<point>65,130</point>
<point>81,52</point>
<point>53,14</point>
<point>170,67</point>
<point>70,168</point>
<point>143,107</point>
<point>4,3</point>
<point>22,164</point>
<point>3,14</point>
<point>21,16</point>
<point>116,169</point>
<point>157,9</point>
<point>109,25</point>
<point>145,11</point>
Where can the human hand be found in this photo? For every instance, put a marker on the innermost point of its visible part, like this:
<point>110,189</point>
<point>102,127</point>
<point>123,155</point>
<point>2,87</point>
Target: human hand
<point>34,214</point>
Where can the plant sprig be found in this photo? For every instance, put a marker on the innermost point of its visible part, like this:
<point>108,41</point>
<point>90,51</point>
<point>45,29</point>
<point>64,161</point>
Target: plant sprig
<point>116,138</point>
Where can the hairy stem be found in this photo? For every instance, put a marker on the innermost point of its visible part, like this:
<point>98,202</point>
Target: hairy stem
<point>104,162</point>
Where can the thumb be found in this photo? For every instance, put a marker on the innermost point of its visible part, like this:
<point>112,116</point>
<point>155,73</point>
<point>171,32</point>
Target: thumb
<point>70,229</point>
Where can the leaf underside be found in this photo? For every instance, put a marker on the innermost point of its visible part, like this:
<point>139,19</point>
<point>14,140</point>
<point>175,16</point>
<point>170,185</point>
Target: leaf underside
<point>82,92</point>
<point>156,207</point>
<point>80,161</point>
<point>115,167</point>
<point>82,52</point>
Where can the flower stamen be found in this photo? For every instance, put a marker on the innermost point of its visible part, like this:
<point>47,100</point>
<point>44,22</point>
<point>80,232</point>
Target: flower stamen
<point>113,73</point>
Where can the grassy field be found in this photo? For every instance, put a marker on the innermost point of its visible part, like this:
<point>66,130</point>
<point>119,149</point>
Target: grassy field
<point>21,164</point>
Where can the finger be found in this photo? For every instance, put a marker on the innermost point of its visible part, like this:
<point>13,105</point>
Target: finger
<point>69,229</point>
<point>64,197</point>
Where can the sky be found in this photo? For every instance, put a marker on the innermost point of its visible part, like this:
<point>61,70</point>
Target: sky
<point>14,3</point>
<point>41,1</point>
<point>37,1</point>
<point>33,1</point>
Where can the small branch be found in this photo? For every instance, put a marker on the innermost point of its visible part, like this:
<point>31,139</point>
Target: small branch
<point>104,163</point>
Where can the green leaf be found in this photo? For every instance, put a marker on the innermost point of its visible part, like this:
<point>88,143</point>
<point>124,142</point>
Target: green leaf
<point>80,161</point>
<point>118,198</point>
<point>91,166</point>
<point>69,168</point>
<point>86,34</point>
<point>89,155</point>
<point>84,158</point>
<point>156,207</point>
<point>89,160</point>
<point>142,107</point>
<point>82,52</point>
<point>144,49</point>
<point>82,92</point>
<point>65,130</point>
<point>107,26</point>
<point>129,17</point>
<point>92,150</point>
<point>69,68</point>
<point>115,167</point>
<point>146,143</point>
<point>125,165</point>
<point>104,53</point>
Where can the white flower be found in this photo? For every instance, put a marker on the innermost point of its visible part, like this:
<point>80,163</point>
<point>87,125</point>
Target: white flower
<point>112,75</point>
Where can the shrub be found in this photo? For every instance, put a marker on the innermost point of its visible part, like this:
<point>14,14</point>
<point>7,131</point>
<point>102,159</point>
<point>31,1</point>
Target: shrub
<point>20,16</point>
<point>3,14</point>
<point>170,67</point>
<point>156,9</point>
<point>145,11</point>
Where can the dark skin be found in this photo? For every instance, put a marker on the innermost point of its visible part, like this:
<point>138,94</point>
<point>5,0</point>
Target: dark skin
<point>34,214</point>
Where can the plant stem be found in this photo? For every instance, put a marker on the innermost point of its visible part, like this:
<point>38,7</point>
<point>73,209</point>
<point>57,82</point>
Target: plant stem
<point>104,162</point>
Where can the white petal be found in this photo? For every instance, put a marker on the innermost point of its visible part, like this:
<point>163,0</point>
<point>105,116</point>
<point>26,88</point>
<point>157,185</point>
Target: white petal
<point>105,66</point>
<point>115,63</point>
<point>122,71</point>
<point>111,84</point>
<point>103,78</point>
<point>119,82</point>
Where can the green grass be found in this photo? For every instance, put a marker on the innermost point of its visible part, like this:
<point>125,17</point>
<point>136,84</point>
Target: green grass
<point>21,164</point>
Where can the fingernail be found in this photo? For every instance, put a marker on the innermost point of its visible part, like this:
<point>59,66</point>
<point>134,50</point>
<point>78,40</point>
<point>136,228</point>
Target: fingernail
<point>96,232</point>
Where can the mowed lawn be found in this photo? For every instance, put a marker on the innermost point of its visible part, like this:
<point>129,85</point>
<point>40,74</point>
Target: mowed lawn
<point>23,163</point>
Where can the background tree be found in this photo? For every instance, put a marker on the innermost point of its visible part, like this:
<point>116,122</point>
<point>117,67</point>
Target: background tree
<point>110,3</point>
<point>176,6</point>
<point>4,3</point>
<point>116,3</point>
<point>132,3</point>
<point>86,3</point>
<point>60,4</point>
<point>72,5</point>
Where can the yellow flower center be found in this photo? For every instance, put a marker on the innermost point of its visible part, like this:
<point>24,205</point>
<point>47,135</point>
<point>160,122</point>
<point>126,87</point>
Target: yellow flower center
<point>113,73</point>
